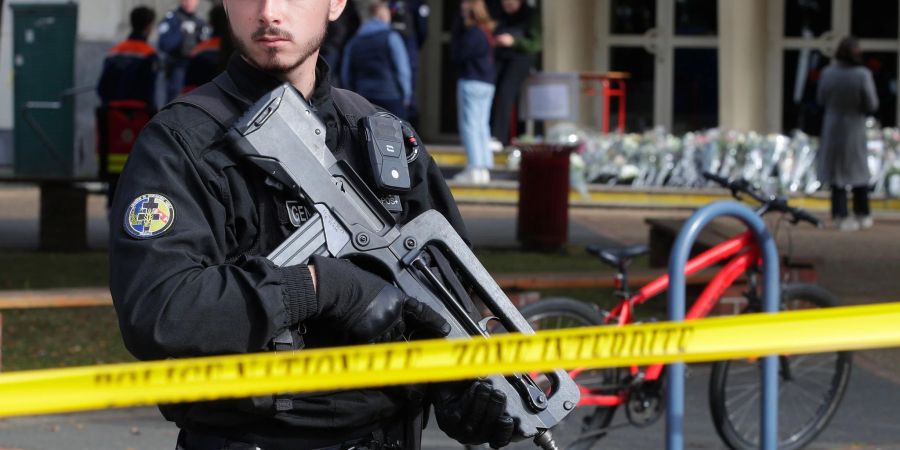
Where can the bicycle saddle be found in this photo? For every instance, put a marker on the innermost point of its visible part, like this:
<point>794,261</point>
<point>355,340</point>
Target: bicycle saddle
<point>618,257</point>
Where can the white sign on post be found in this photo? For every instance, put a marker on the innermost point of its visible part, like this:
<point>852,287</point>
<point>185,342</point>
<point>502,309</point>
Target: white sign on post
<point>550,96</point>
<point>549,101</point>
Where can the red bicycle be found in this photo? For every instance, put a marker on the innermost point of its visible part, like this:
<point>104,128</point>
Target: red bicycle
<point>811,386</point>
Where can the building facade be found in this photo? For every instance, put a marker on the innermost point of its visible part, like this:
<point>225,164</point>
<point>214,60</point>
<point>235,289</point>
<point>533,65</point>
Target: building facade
<point>694,64</point>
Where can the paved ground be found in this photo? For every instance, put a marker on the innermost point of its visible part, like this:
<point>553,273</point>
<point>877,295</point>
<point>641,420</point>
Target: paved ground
<point>860,267</point>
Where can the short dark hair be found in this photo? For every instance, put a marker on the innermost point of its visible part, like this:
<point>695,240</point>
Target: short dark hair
<point>848,52</point>
<point>374,6</point>
<point>219,20</point>
<point>142,17</point>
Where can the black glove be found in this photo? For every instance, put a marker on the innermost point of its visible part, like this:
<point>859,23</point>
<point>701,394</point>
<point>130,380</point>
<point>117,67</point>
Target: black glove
<point>473,413</point>
<point>368,308</point>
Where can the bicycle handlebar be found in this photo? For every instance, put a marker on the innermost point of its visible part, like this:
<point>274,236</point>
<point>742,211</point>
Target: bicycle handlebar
<point>768,202</point>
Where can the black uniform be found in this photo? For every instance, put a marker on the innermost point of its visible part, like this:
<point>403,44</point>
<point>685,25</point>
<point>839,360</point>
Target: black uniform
<point>197,281</point>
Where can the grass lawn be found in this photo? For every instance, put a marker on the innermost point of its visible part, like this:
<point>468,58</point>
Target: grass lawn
<point>47,338</point>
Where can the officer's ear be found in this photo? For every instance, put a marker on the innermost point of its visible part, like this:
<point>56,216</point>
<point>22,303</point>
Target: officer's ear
<point>336,8</point>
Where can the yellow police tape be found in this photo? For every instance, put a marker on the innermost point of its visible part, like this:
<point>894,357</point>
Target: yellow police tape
<point>122,385</point>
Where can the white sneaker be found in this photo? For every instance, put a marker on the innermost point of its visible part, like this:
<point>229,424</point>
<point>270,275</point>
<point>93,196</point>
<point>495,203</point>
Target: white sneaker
<point>846,224</point>
<point>468,175</point>
<point>865,222</point>
<point>482,176</point>
<point>495,145</point>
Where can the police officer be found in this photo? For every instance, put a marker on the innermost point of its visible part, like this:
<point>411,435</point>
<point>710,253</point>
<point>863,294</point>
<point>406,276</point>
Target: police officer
<point>375,62</point>
<point>192,221</point>
<point>179,32</point>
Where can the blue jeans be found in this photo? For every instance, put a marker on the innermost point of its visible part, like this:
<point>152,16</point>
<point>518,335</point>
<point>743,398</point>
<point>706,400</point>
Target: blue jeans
<point>473,100</point>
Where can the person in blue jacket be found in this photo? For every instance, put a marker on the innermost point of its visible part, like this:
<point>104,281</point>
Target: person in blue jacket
<point>179,32</point>
<point>376,64</point>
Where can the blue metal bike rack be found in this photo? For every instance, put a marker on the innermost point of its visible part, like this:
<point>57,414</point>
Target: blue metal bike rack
<point>771,299</point>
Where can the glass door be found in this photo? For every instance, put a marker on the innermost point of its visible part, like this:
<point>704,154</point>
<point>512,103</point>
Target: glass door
<point>807,33</point>
<point>670,50</point>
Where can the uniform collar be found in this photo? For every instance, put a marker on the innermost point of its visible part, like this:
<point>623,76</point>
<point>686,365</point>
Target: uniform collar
<point>254,83</point>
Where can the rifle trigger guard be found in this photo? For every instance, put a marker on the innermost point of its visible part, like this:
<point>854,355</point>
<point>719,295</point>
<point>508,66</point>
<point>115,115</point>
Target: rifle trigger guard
<point>483,323</point>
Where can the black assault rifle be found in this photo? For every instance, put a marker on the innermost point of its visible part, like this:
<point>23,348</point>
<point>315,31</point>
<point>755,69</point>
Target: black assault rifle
<point>281,135</point>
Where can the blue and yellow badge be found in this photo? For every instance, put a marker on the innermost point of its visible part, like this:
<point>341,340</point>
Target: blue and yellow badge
<point>149,216</point>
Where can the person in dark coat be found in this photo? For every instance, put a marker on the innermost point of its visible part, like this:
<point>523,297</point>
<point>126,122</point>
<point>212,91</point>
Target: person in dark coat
<point>127,90</point>
<point>339,32</point>
<point>210,57</point>
<point>519,40</point>
<point>847,91</point>
<point>376,64</point>
<point>410,19</point>
<point>130,68</point>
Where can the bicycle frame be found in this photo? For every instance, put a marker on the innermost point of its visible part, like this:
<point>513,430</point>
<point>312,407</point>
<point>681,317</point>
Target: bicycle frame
<point>745,255</point>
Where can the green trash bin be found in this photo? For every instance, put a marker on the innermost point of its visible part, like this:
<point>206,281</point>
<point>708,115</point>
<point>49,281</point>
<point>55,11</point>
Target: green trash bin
<point>43,71</point>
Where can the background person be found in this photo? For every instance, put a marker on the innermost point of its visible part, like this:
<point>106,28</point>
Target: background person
<point>339,32</point>
<point>127,90</point>
<point>410,19</point>
<point>472,52</point>
<point>519,40</point>
<point>376,64</point>
<point>179,32</point>
<point>191,225</point>
<point>210,57</point>
<point>847,92</point>
<point>130,68</point>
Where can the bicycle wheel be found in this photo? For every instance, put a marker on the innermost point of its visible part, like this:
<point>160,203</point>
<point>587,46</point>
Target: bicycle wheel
<point>557,313</point>
<point>810,387</point>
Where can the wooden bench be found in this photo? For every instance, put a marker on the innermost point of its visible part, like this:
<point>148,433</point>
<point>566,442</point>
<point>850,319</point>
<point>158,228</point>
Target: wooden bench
<point>63,211</point>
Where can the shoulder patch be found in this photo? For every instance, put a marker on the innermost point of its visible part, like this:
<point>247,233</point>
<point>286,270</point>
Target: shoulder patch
<point>149,216</point>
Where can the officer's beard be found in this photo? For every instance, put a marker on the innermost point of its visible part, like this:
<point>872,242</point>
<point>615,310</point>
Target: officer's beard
<point>272,60</point>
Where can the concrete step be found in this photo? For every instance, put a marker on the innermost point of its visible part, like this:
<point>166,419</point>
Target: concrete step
<point>454,156</point>
<point>506,191</point>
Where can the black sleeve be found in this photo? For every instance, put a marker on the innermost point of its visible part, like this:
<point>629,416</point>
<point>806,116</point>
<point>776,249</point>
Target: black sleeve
<point>176,294</point>
<point>430,191</point>
<point>443,200</point>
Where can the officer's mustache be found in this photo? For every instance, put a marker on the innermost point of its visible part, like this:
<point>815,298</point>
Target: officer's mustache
<point>272,31</point>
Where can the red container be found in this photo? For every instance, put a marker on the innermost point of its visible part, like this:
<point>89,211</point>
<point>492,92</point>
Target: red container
<point>543,216</point>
